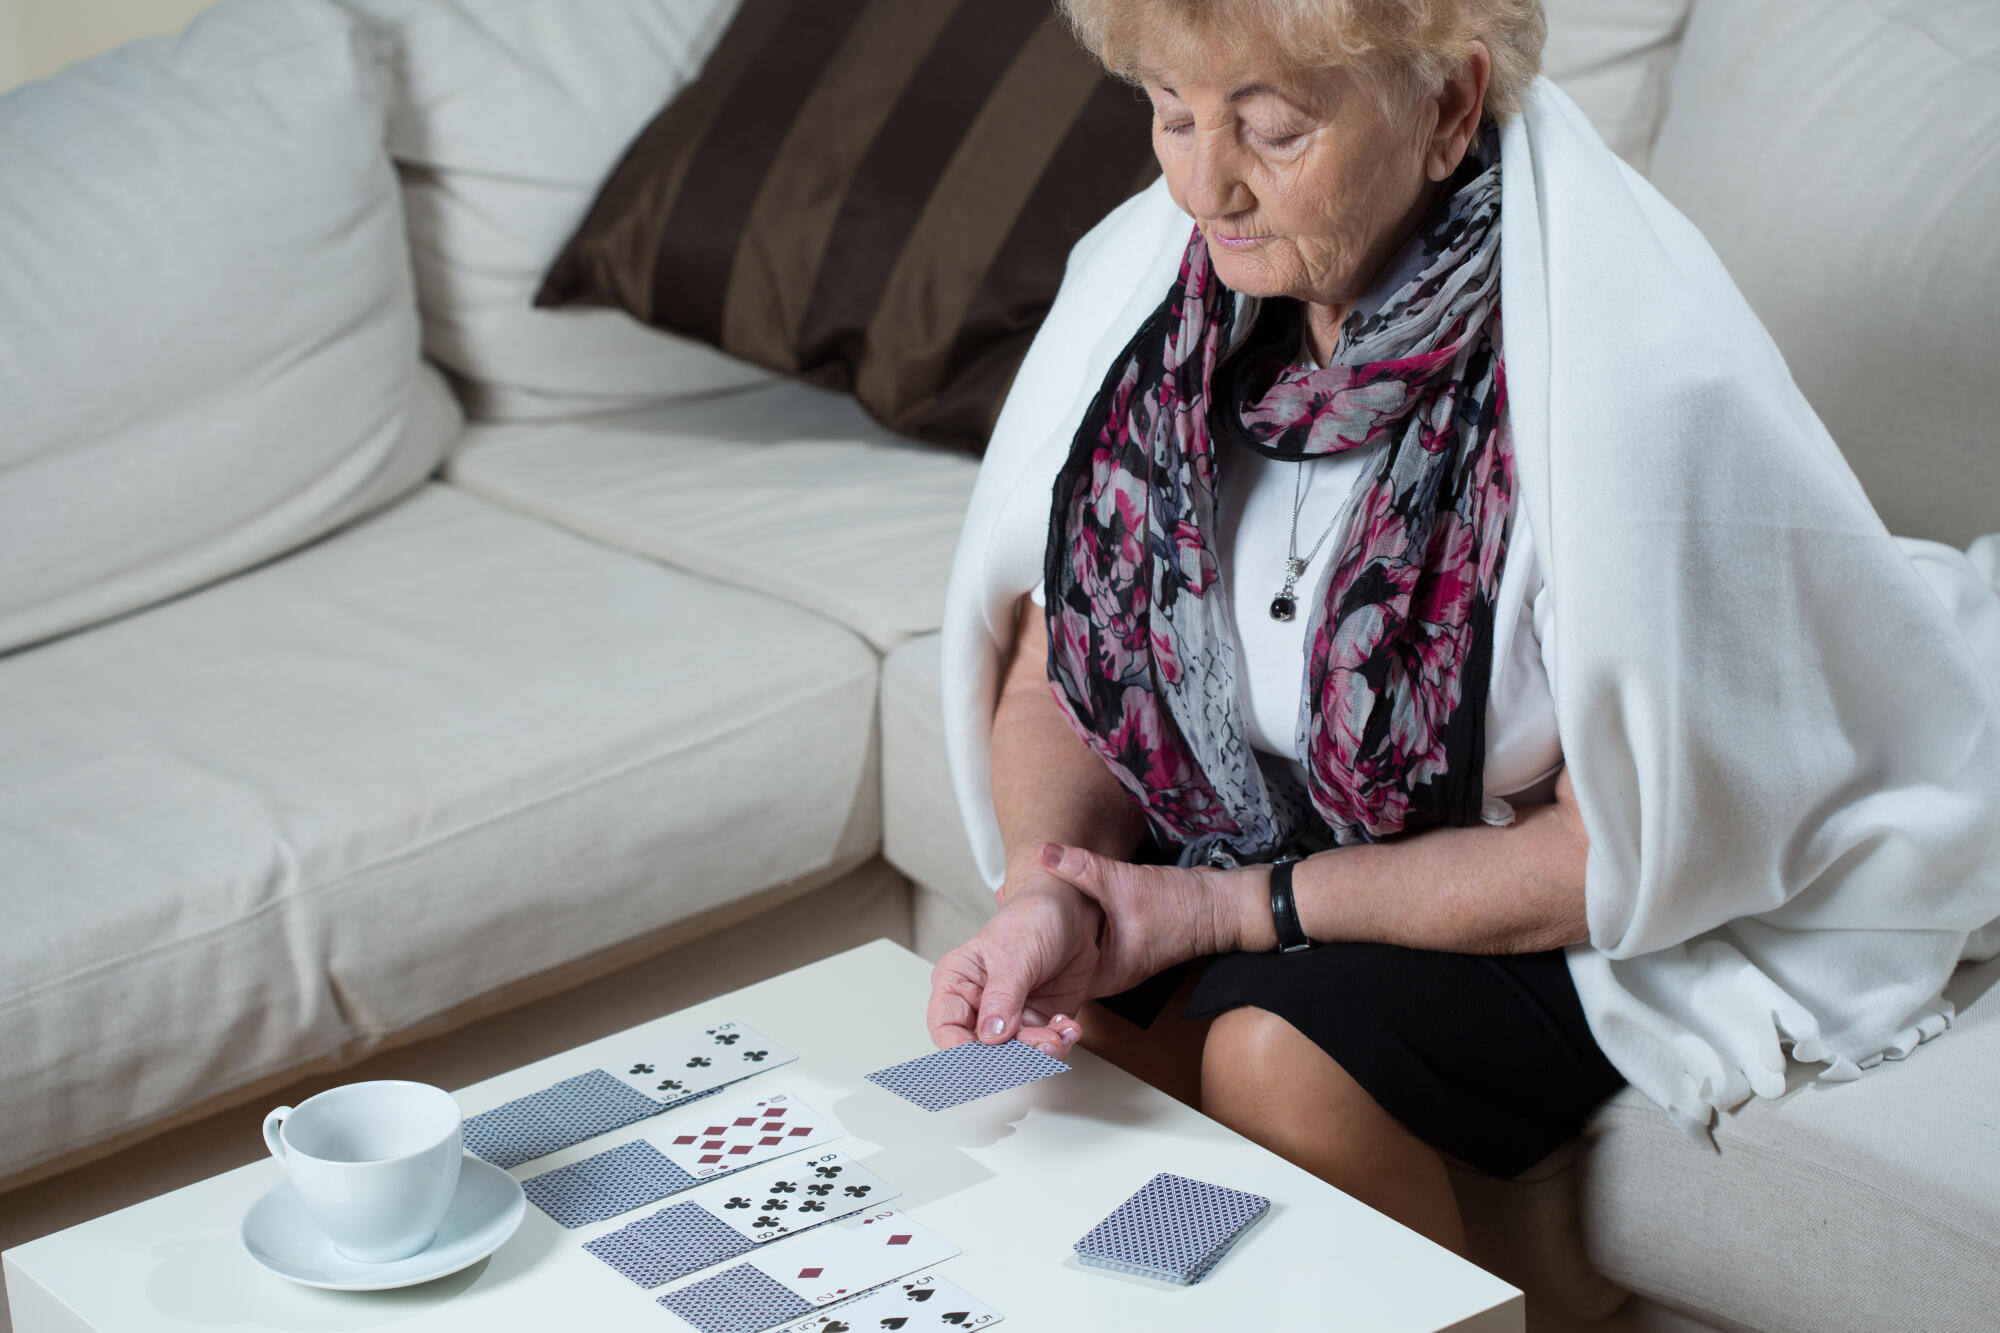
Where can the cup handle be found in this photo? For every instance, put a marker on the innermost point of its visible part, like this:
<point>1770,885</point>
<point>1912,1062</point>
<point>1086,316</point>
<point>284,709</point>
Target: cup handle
<point>272,1123</point>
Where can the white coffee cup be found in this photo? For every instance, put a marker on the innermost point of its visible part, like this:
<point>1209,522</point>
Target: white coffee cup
<point>375,1164</point>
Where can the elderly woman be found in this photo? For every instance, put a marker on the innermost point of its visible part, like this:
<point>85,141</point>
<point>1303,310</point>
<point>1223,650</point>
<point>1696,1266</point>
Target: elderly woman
<point>1291,809</point>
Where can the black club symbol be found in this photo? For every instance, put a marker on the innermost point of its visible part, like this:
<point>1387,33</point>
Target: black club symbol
<point>783,1187</point>
<point>642,1069</point>
<point>811,1206</point>
<point>737,1201</point>
<point>856,1191</point>
<point>670,1085</point>
<point>699,1062</point>
<point>757,1056</point>
<point>728,1038</point>
<point>775,1205</point>
<point>821,1190</point>
<point>767,1221</point>
<point>827,1171</point>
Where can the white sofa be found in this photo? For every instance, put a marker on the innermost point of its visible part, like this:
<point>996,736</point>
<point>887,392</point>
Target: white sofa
<point>335,702</point>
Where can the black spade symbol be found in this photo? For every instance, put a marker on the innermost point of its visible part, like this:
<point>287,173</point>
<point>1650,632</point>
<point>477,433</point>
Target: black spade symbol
<point>893,1321</point>
<point>923,1293</point>
<point>835,1326</point>
<point>955,1317</point>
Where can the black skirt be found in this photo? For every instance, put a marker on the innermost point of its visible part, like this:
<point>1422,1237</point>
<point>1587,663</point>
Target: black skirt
<point>1487,1058</point>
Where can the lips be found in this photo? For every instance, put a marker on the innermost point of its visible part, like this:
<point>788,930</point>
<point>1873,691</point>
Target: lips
<point>1237,242</point>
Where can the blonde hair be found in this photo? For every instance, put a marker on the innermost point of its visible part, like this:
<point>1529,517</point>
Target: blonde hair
<point>1400,49</point>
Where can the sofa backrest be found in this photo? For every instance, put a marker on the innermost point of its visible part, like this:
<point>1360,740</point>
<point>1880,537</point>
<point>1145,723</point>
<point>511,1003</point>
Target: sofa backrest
<point>507,115</point>
<point>208,335</point>
<point>1843,158</point>
<point>1615,59</point>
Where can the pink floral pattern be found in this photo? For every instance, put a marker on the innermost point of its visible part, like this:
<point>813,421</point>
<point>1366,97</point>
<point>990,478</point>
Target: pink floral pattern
<point>1399,648</point>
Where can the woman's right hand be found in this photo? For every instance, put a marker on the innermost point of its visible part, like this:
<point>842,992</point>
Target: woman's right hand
<point>1025,974</point>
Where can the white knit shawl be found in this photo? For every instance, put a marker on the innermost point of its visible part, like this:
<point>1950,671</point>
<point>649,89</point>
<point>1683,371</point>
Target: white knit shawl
<point>1785,749</point>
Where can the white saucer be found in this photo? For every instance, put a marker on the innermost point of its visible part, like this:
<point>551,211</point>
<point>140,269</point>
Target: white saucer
<point>485,1209</point>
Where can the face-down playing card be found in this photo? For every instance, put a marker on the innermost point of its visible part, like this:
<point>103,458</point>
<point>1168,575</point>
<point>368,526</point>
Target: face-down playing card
<point>824,1266</point>
<point>597,1101</point>
<point>676,1157</point>
<point>948,1078</point>
<point>922,1304</point>
<point>757,1207</point>
<point>1173,1229</point>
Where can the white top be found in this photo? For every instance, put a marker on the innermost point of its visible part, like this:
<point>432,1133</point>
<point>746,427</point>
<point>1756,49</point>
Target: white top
<point>1253,527</point>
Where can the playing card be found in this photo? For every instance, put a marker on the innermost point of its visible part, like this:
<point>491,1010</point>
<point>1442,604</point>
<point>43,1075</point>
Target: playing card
<point>671,1243</point>
<point>606,1184</point>
<point>922,1304</point>
<point>948,1078</point>
<point>763,1206</point>
<point>676,1157</point>
<point>1173,1229</point>
<point>797,1193</point>
<point>825,1266</point>
<point>744,1136</point>
<point>682,1070</point>
<point>742,1299</point>
<point>699,1061</point>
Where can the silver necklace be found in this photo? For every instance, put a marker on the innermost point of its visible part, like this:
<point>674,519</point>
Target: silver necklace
<point>1285,605</point>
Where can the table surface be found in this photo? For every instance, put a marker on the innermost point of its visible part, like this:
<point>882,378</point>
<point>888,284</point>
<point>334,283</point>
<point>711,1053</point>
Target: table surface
<point>1011,1180</point>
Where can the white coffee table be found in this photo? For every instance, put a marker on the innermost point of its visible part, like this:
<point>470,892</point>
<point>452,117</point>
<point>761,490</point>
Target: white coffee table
<point>1011,1180</point>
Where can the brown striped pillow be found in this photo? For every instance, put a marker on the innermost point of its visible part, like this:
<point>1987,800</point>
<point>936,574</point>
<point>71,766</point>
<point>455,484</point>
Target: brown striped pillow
<point>873,195</point>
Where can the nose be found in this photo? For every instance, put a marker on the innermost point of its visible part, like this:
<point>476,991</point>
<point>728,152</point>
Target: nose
<point>1215,184</point>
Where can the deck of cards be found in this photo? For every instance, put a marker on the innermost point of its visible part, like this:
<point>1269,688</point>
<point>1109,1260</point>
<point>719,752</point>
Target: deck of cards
<point>1174,1229</point>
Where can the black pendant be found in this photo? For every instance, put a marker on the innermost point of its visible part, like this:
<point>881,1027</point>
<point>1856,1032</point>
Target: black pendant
<point>1282,607</point>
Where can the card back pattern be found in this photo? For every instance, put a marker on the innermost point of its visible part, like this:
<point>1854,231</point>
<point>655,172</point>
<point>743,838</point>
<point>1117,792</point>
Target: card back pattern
<point>673,1242</point>
<point>1174,1228</point>
<point>606,1184</point>
<point>742,1299</point>
<point>548,1121</point>
<point>948,1078</point>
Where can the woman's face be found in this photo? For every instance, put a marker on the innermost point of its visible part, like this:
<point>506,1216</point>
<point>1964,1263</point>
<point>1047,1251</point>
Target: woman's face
<point>1300,191</point>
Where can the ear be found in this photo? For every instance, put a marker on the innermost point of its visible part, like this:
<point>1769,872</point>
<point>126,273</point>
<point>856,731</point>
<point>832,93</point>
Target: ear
<point>1460,104</point>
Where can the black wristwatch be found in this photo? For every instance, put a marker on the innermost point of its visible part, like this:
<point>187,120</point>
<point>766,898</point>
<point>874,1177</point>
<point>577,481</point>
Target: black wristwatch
<point>1285,909</point>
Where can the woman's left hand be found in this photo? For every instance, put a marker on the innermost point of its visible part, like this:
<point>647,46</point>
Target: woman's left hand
<point>1154,916</point>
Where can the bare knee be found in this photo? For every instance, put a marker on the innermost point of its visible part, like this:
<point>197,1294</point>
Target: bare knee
<point>1257,1070</point>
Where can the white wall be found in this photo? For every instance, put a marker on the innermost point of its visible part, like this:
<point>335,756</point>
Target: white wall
<point>39,37</point>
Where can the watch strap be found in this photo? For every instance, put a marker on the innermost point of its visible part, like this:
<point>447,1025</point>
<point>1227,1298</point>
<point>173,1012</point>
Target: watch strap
<point>1285,908</point>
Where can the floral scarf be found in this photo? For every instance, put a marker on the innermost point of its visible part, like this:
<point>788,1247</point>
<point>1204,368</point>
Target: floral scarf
<point>1142,656</point>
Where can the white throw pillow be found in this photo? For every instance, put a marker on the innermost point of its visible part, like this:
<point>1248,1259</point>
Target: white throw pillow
<point>208,336</point>
<point>508,115</point>
<point>1614,59</point>
<point>1840,157</point>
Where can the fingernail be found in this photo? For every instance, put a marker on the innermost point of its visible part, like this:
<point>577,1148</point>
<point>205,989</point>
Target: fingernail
<point>994,1026</point>
<point>1051,855</point>
<point>1045,1048</point>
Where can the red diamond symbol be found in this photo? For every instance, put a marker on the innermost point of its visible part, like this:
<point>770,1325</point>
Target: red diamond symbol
<point>770,1125</point>
<point>685,1138</point>
<point>776,1110</point>
<point>713,1143</point>
<point>811,1272</point>
<point>768,1140</point>
<point>744,1120</point>
<point>740,1148</point>
<point>802,1129</point>
<point>714,1130</point>
<point>711,1159</point>
<point>899,1240</point>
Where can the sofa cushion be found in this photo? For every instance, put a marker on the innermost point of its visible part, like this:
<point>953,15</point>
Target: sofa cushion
<point>786,488</point>
<point>1871,1204</point>
<point>875,196</point>
<point>208,342</point>
<point>506,115</point>
<point>1838,154</point>
<point>1614,59</point>
<point>442,750</point>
